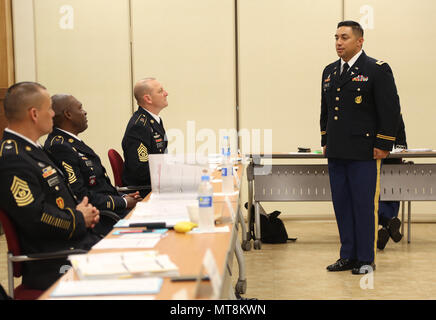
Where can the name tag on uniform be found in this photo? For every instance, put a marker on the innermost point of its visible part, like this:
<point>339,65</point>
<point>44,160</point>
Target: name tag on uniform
<point>53,181</point>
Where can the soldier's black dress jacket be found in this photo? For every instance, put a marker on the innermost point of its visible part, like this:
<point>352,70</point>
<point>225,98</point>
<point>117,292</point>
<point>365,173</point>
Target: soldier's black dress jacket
<point>143,136</point>
<point>41,206</point>
<point>359,112</point>
<point>86,174</point>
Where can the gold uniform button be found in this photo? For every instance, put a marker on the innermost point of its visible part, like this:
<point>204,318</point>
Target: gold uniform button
<point>367,134</point>
<point>336,118</point>
<point>338,89</point>
<point>337,109</point>
<point>337,98</point>
<point>358,89</point>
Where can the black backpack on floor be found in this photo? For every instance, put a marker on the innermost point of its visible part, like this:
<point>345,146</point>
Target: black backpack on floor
<point>272,229</point>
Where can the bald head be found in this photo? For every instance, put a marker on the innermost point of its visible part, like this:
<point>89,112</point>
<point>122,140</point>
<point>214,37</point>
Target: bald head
<point>142,87</point>
<point>21,97</point>
<point>69,114</point>
<point>60,104</point>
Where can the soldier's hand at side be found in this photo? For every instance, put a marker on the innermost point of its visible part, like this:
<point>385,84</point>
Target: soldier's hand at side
<point>324,150</point>
<point>380,154</point>
<point>89,212</point>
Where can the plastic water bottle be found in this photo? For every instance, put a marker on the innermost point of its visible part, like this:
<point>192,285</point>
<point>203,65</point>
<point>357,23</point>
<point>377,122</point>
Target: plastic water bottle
<point>205,205</point>
<point>226,167</point>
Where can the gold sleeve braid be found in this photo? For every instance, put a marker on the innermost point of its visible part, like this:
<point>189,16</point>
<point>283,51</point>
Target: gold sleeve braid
<point>55,222</point>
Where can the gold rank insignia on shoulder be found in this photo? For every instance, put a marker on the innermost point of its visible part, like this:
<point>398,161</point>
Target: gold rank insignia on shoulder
<point>380,62</point>
<point>358,99</point>
<point>28,148</point>
<point>60,202</point>
<point>9,145</point>
<point>71,175</point>
<point>21,192</point>
<point>142,153</point>
<point>141,119</point>
<point>58,139</point>
<point>70,140</point>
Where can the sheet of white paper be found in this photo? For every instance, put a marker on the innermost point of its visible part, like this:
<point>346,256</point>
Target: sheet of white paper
<point>117,243</point>
<point>218,194</point>
<point>170,211</point>
<point>215,230</point>
<point>126,297</point>
<point>108,287</point>
<point>212,270</point>
<point>176,174</point>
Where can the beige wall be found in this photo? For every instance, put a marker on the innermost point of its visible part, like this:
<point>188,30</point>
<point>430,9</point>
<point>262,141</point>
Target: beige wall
<point>24,40</point>
<point>189,46</point>
<point>84,50</point>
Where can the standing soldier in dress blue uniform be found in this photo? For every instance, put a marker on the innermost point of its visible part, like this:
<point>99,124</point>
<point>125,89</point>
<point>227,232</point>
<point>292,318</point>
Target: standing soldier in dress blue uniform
<point>145,133</point>
<point>360,114</point>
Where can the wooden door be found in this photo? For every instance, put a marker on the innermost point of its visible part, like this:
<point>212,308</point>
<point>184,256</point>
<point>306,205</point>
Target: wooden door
<point>6,56</point>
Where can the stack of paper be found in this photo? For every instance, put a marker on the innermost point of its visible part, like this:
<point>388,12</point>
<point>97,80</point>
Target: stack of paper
<point>168,211</point>
<point>107,287</point>
<point>123,264</point>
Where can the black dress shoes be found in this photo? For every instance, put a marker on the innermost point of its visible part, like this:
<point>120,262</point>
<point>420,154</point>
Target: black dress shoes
<point>342,265</point>
<point>382,238</point>
<point>363,267</point>
<point>394,229</point>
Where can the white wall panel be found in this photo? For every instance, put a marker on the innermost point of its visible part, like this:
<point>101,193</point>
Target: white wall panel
<point>83,48</point>
<point>189,46</point>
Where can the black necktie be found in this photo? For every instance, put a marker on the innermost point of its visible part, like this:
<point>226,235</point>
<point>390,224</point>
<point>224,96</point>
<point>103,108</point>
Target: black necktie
<point>344,70</point>
<point>161,124</point>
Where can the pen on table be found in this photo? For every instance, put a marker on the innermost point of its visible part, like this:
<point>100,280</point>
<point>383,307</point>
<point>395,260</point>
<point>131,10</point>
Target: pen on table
<point>188,278</point>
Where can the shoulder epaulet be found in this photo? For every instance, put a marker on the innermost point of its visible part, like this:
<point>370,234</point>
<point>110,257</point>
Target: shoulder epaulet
<point>57,140</point>
<point>380,62</point>
<point>142,119</point>
<point>9,147</point>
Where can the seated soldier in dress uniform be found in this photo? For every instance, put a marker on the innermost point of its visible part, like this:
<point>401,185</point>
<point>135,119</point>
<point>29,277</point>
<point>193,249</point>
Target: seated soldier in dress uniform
<point>388,210</point>
<point>83,167</point>
<point>145,133</point>
<point>33,191</point>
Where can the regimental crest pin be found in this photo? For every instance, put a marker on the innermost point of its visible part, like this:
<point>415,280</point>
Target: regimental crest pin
<point>358,99</point>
